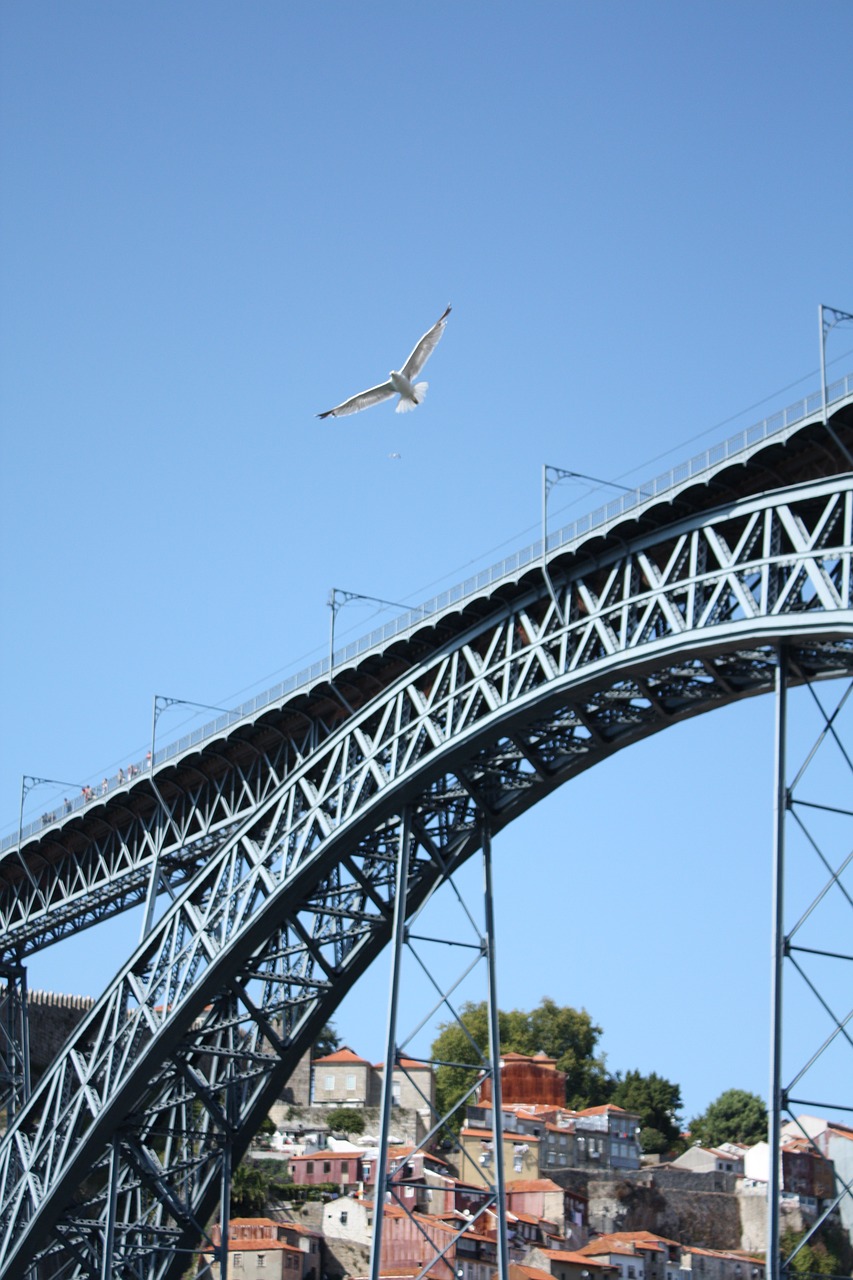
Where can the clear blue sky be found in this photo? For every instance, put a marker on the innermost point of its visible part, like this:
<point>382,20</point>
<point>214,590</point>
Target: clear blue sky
<point>220,219</point>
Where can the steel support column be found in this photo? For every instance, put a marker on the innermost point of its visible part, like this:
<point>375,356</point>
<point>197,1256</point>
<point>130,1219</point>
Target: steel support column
<point>390,1042</point>
<point>495,1054</point>
<point>812,918</point>
<point>14,1039</point>
<point>486,1066</point>
<point>778,953</point>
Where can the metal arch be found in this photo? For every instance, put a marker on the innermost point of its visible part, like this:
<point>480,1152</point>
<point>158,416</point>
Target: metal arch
<point>297,900</point>
<point>90,865</point>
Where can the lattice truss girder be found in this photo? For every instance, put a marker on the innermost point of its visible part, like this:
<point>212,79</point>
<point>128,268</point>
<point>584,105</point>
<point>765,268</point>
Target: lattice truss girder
<point>198,1032</point>
<point>755,562</point>
<point>818,897</point>
<point>111,873</point>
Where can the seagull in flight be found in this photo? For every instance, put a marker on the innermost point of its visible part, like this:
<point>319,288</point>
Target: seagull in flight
<point>411,393</point>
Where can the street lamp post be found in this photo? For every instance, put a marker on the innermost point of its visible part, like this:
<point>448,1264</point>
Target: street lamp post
<point>162,704</point>
<point>828,318</point>
<point>28,784</point>
<point>552,476</point>
<point>337,599</point>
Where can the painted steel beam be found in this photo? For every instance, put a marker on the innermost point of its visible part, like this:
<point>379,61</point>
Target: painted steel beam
<point>97,862</point>
<point>215,1007</point>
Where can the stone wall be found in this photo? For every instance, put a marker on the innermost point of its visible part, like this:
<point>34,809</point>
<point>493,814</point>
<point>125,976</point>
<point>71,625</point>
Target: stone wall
<point>52,1019</point>
<point>407,1126</point>
<point>297,1091</point>
<point>680,1206</point>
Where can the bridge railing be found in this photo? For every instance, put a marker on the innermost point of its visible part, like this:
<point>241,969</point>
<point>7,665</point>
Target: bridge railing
<point>676,476</point>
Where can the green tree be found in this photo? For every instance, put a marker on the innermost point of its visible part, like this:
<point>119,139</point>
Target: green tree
<point>815,1258</point>
<point>565,1034</point>
<point>345,1120</point>
<point>656,1101</point>
<point>248,1192</point>
<point>736,1116</point>
<point>327,1042</point>
<point>569,1036</point>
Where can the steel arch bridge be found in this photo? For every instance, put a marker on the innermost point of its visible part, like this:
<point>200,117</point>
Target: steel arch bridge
<point>277,838</point>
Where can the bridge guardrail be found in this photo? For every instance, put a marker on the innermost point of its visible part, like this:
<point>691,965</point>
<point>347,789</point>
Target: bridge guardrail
<point>692,468</point>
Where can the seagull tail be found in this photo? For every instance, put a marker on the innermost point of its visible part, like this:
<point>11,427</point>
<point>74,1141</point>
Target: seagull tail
<point>405,406</point>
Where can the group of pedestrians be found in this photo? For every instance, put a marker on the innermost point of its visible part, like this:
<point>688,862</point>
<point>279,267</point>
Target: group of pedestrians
<point>90,793</point>
<point>133,771</point>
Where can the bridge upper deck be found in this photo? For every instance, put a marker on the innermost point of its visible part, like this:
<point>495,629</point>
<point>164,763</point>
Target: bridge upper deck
<point>791,447</point>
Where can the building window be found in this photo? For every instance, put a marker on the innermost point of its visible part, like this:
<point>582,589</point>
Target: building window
<point>238,1260</point>
<point>329,1084</point>
<point>309,1166</point>
<point>327,1166</point>
<point>262,1260</point>
<point>345,1169</point>
<point>395,1093</point>
<point>343,1218</point>
<point>350,1084</point>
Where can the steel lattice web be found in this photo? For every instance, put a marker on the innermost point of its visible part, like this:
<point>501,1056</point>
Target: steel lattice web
<point>294,894</point>
<point>813,911</point>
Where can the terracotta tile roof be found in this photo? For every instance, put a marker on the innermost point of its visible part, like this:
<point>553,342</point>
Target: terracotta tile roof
<point>606,1109</point>
<point>572,1255</point>
<point>535,1110</point>
<point>406,1273</point>
<point>735,1254</point>
<point>408,1064</point>
<point>610,1251</point>
<point>532,1184</point>
<point>539,1058</point>
<point>342,1055</point>
<point>432,1220</point>
<point>257,1244</point>
<point>618,1242</point>
<point>354,1153</point>
<point>486,1134</point>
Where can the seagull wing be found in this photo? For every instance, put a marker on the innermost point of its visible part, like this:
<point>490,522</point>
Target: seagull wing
<point>363,400</point>
<point>425,348</point>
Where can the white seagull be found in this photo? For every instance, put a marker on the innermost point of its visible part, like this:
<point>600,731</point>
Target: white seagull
<point>402,384</point>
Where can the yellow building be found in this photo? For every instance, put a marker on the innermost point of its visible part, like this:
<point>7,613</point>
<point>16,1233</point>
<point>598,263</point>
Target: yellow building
<point>477,1157</point>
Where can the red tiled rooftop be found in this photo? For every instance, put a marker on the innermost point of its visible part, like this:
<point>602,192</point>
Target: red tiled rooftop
<point>604,1110</point>
<point>487,1135</point>
<point>252,1222</point>
<point>344,1055</point>
<point>617,1242</point>
<point>354,1153</point>
<point>407,1064</point>
<point>256,1244</point>
<point>532,1184</point>
<point>735,1254</point>
<point>569,1255</point>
